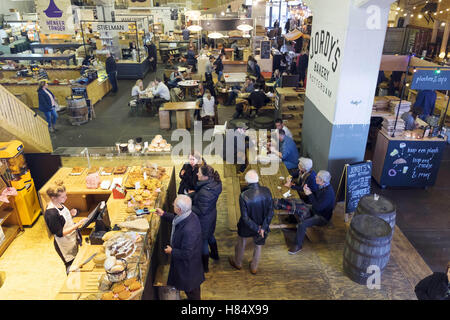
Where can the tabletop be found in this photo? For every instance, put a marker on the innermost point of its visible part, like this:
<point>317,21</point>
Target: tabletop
<point>178,106</point>
<point>234,77</point>
<point>188,83</point>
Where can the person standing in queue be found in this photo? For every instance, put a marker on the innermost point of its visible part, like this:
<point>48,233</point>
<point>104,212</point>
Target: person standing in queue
<point>256,207</point>
<point>186,268</point>
<point>47,104</point>
<point>435,286</point>
<point>111,70</point>
<point>219,67</point>
<point>188,173</point>
<point>207,192</point>
<point>152,54</point>
<point>60,224</point>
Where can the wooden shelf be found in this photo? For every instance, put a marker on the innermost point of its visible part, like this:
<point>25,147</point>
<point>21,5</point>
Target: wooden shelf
<point>5,213</point>
<point>10,233</point>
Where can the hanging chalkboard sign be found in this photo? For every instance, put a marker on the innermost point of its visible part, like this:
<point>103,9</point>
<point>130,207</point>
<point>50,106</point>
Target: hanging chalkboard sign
<point>355,183</point>
<point>265,49</point>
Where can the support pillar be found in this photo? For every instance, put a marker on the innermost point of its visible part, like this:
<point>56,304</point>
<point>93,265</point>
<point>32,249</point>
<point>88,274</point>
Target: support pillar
<point>445,39</point>
<point>344,59</point>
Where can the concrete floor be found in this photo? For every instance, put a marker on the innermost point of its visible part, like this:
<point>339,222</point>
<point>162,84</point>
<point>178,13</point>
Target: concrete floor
<point>422,215</point>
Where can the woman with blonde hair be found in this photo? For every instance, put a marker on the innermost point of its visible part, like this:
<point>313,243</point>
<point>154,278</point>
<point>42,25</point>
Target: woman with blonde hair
<point>60,223</point>
<point>138,88</point>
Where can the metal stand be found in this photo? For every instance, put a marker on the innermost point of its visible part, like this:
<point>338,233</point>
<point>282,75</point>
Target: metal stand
<point>401,95</point>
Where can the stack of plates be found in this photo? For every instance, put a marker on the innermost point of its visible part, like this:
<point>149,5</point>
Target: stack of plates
<point>388,125</point>
<point>405,106</point>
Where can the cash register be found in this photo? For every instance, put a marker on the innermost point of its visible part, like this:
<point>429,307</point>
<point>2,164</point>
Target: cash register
<point>102,223</point>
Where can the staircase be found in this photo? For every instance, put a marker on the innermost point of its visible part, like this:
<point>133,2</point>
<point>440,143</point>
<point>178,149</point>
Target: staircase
<point>17,121</point>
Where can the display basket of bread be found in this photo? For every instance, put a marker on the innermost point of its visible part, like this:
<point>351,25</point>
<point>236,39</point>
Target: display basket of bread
<point>158,144</point>
<point>120,170</point>
<point>146,177</point>
<point>118,271</point>
<point>124,290</point>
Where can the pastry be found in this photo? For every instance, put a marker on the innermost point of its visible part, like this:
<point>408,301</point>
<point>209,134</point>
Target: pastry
<point>118,288</point>
<point>76,171</point>
<point>99,259</point>
<point>124,295</point>
<point>120,170</point>
<point>110,235</point>
<point>128,282</point>
<point>93,170</point>
<point>139,224</point>
<point>90,297</point>
<point>108,296</point>
<point>107,171</point>
<point>117,268</point>
<point>134,286</point>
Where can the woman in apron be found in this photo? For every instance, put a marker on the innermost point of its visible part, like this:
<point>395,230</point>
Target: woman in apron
<point>59,221</point>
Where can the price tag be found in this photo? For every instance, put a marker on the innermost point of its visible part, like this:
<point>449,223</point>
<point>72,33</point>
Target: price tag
<point>145,175</point>
<point>137,185</point>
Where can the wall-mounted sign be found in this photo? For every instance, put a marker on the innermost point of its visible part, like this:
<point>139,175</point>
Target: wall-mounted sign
<point>55,16</point>
<point>265,49</point>
<point>431,80</point>
<point>111,26</point>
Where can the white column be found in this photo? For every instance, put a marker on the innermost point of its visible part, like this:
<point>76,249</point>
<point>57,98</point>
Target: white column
<point>445,39</point>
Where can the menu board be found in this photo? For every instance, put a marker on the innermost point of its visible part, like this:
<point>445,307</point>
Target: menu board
<point>431,80</point>
<point>412,163</point>
<point>355,182</point>
<point>265,49</point>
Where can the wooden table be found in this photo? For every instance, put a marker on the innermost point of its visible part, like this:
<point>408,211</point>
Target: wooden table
<point>188,85</point>
<point>182,110</point>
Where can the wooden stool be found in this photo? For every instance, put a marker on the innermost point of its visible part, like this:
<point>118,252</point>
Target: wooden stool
<point>164,119</point>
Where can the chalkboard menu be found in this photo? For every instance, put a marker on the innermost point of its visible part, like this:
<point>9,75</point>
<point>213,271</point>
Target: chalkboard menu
<point>412,163</point>
<point>265,49</point>
<point>355,182</point>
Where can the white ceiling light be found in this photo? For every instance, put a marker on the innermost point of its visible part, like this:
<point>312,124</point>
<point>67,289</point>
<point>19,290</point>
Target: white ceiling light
<point>195,28</point>
<point>244,27</point>
<point>215,35</point>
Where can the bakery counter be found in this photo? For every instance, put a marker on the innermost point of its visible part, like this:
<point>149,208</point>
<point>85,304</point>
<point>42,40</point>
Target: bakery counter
<point>403,161</point>
<point>96,90</point>
<point>234,66</point>
<point>53,73</point>
<point>129,69</point>
<point>148,234</point>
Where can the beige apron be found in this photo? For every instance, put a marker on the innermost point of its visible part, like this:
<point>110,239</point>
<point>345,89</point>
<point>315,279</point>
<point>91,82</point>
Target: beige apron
<point>68,243</point>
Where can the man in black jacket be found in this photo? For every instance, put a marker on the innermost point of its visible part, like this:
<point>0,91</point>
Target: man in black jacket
<point>186,267</point>
<point>435,286</point>
<point>111,70</point>
<point>152,54</point>
<point>256,214</point>
<point>258,99</point>
<point>321,209</point>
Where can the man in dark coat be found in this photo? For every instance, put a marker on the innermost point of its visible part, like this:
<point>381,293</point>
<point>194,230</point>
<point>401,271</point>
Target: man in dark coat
<point>435,286</point>
<point>111,70</point>
<point>186,268</point>
<point>320,211</point>
<point>207,192</point>
<point>302,66</point>
<point>152,54</point>
<point>256,214</point>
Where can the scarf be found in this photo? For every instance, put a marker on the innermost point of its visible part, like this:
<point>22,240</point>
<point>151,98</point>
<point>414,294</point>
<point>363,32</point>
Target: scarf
<point>51,97</point>
<point>324,186</point>
<point>176,221</point>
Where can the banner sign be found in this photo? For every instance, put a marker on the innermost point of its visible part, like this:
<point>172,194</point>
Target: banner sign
<point>111,26</point>
<point>431,80</point>
<point>55,16</point>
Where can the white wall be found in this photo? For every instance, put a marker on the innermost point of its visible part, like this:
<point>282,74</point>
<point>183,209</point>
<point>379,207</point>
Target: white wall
<point>21,6</point>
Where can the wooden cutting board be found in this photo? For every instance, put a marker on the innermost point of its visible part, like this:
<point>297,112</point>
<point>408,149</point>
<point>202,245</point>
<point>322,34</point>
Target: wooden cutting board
<point>82,282</point>
<point>83,254</point>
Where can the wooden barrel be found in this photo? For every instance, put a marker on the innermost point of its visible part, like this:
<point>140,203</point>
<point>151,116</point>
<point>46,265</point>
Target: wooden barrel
<point>367,243</point>
<point>382,208</point>
<point>232,124</point>
<point>78,110</point>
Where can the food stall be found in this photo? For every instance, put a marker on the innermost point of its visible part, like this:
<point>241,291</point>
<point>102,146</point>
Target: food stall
<point>126,258</point>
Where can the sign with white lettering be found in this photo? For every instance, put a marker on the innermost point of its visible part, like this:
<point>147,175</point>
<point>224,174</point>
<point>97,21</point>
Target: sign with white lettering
<point>55,16</point>
<point>111,26</point>
<point>431,80</point>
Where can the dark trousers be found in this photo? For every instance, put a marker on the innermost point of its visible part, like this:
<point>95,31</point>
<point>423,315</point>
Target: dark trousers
<point>113,79</point>
<point>315,220</point>
<point>195,294</point>
<point>153,65</point>
<point>157,102</point>
<point>233,95</point>
<point>206,243</point>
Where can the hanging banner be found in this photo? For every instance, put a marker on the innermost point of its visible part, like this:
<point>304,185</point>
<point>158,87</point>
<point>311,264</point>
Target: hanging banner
<point>139,3</point>
<point>431,80</point>
<point>110,26</point>
<point>55,16</point>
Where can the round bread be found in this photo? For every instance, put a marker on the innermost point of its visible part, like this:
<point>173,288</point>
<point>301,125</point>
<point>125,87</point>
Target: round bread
<point>117,268</point>
<point>108,296</point>
<point>134,286</point>
<point>99,259</point>
<point>124,295</point>
<point>109,263</point>
<point>119,288</point>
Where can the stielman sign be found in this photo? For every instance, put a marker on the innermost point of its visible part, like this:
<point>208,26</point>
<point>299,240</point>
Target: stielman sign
<point>325,54</point>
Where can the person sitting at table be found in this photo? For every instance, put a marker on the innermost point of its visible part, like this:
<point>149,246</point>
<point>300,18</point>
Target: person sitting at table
<point>257,99</point>
<point>288,151</point>
<point>247,88</point>
<point>209,68</point>
<point>410,118</point>
<point>218,67</point>
<point>304,175</point>
<point>207,110</point>
<point>186,75</point>
<point>175,77</point>
<point>276,78</point>
<point>160,92</point>
<point>199,96</point>
<point>191,58</point>
<point>137,89</point>
<point>317,214</point>
<point>279,124</point>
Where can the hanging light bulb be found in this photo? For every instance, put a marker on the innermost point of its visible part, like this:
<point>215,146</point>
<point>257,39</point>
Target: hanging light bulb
<point>215,35</point>
<point>443,24</point>
<point>412,16</point>
<point>420,16</point>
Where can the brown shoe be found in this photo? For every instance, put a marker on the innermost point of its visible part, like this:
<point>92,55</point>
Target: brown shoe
<point>252,271</point>
<point>233,264</point>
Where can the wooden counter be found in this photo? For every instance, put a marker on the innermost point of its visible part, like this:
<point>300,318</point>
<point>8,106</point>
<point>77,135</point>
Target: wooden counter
<point>96,90</point>
<point>406,162</point>
<point>234,66</point>
<point>60,74</point>
<point>83,283</point>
